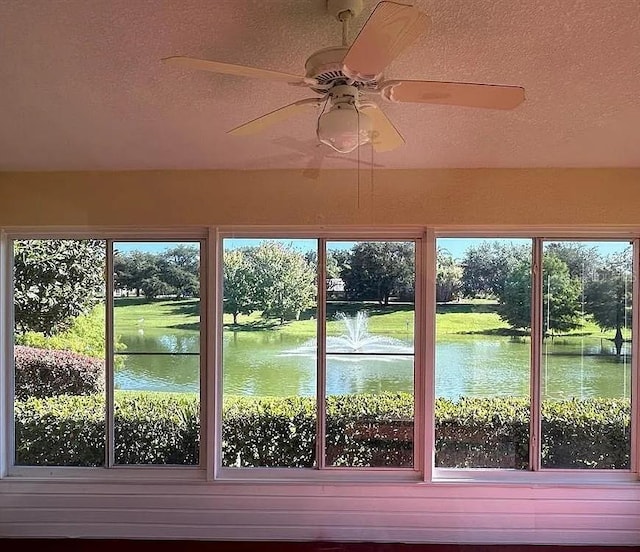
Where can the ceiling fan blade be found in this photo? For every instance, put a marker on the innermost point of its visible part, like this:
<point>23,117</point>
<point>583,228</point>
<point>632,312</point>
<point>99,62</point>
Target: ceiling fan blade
<point>490,96</point>
<point>388,31</point>
<point>385,136</point>
<point>277,116</point>
<point>231,69</point>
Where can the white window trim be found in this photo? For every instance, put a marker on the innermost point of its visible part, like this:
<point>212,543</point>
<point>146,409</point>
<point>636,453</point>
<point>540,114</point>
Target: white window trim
<point>110,471</point>
<point>322,472</point>
<point>536,475</point>
<point>211,386</point>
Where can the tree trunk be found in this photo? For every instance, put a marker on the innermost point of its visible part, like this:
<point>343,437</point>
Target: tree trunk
<point>618,340</point>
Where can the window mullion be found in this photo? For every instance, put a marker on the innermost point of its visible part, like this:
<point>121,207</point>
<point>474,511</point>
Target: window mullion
<point>7,438</point>
<point>634,462</point>
<point>321,362</point>
<point>536,350</point>
<point>211,335</point>
<point>109,358</point>
<point>425,351</point>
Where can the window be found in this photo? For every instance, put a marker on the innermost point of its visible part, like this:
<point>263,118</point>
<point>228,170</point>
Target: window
<point>319,360</point>
<point>318,376</point>
<point>483,351</point>
<point>107,352</point>
<point>269,368</point>
<point>369,354</point>
<point>156,346</point>
<point>59,351</point>
<point>533,354</point>
<point>586,354</point>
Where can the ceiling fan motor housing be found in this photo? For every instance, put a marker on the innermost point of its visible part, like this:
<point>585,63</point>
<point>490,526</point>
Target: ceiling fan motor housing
<point>325,67</point>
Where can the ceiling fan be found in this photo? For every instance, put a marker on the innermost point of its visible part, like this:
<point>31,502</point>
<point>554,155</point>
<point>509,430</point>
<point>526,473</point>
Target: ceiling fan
<point>346,78</point>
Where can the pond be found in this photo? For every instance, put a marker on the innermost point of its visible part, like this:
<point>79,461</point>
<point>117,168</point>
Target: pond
<point>261,363</point>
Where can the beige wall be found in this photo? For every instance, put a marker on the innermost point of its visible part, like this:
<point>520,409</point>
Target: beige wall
<point>285,197</point>
<point>535,511</point>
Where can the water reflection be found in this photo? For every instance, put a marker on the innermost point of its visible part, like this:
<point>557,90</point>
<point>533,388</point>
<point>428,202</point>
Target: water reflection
<point>261,363</point>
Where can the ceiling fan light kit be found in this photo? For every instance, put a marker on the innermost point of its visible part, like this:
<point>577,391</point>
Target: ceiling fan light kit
<point>347,78</point>
<point>344,127</point>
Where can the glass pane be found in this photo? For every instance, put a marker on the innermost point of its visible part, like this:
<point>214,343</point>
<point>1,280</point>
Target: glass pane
<point>586,355</point>
<point>483,324</point>
<point>157,352</point>
<point>370,354</point>
<point>59,352</point>
<point>269,353</point>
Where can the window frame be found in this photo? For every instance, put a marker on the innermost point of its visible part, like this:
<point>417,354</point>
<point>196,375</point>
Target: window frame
<point>110,470</point>
<point>323,472</point>
<point>209,469</point>
<point>537,474</point>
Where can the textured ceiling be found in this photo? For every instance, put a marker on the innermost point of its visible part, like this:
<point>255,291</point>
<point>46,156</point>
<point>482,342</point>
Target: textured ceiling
<point>82,87</point>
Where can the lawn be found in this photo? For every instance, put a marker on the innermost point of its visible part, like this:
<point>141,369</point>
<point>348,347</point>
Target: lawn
<point>468,317</point>
<point>132,313</point>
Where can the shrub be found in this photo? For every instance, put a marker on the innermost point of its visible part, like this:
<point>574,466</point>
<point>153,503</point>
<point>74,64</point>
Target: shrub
<point>60,431</point>
<point>150,428</point>
<point>157,428</point>
<point>362,430</point>
<point>274,432</point>
<point>586,434</point>
<point>46,373</point>
<point>482,433</point>
<point>370,430</point>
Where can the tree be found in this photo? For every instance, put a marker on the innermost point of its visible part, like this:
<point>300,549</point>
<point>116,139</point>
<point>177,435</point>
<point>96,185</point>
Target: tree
<point>448,277</point>
<point>174,272</point>
<point>179,268</point>
<point>379,270</point>
<point>332,270</point>
<point>485,268</point>
<point>184,256</point>
<point>583,261</point>
<point>153,287</point>
<point>561,296</point>
<point>238,283</point>
<point>284,281</point>
<point>608,296</point>
<point>337,261</point>
<point>132,269</point>
<point>55,281</point>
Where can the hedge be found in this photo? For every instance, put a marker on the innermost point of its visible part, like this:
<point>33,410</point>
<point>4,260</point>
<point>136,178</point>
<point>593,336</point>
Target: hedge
<point>362,430</point>
<point>48,372</point>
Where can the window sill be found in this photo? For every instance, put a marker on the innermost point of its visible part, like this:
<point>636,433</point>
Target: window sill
<point>282,476</point>
<point>309,475</point>
<point>124,474</point>
<point>564,478</point>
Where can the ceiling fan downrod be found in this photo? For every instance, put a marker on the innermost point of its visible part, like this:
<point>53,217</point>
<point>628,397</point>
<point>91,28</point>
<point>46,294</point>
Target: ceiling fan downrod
<point>344,11</point>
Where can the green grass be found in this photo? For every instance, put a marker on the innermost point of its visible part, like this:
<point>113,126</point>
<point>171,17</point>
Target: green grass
<point>468,317</point>
<point>472,323</point>
<point>133,313</point>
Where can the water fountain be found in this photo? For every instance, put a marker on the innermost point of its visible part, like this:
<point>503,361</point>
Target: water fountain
<point>356,343</point>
